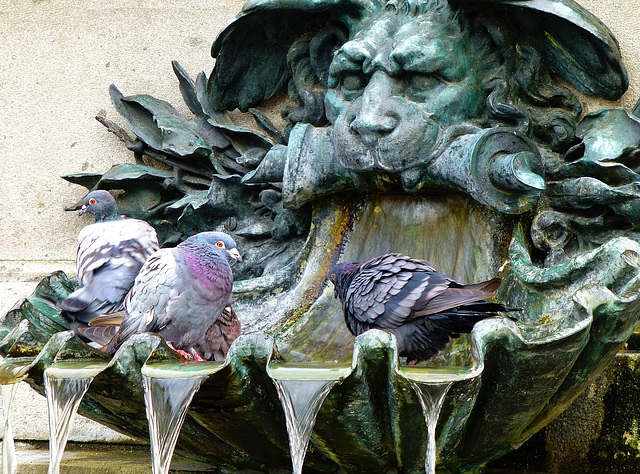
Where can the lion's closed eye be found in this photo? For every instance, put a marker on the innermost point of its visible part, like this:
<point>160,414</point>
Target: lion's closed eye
<point>418,84</point>
<point>352,84</point>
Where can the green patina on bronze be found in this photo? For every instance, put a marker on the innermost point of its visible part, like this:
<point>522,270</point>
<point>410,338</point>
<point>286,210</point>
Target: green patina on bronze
<point>435,128</point>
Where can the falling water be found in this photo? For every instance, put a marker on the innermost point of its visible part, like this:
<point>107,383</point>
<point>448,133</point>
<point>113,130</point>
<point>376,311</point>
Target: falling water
<point>12,371</point>
<point>431,398</point>
<point>431,385</point>
<point>65,385</point>
<point>169,388</point>
<point>302,389</point>
<point>9,461</point>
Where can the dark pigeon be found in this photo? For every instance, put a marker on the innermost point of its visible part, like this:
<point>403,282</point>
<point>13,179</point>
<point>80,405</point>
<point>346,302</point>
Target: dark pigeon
<point>111,252</point>
<point>180,292</point>
<point>407,297</point>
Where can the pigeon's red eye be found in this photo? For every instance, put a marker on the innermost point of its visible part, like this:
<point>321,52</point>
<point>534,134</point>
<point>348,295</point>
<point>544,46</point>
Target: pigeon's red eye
<point>220,244</point>
<point>333,277</point>
<point>92,201</point>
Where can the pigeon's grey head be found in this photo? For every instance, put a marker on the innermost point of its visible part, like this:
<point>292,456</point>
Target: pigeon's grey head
<point>341,276</point>
<point>218,240</point>
<point>100,204</point>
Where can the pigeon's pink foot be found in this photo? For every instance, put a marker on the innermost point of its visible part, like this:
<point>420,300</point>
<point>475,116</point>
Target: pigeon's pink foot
<point>184,354</point>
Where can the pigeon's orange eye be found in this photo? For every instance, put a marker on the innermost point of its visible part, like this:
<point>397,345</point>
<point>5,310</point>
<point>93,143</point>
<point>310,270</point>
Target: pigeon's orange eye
<point>333,277</point>
<point>92,201</point>
<point>220,244</point>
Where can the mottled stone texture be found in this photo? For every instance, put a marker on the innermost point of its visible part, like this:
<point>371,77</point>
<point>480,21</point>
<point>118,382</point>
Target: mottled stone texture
<point>600,430</point>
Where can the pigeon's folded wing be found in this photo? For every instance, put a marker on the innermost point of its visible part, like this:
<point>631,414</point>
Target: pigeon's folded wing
<point>146,302</point>
<point>387,289</point>
<point>125,242</point>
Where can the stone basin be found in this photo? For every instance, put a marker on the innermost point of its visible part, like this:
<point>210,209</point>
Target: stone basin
<point>509,378</point>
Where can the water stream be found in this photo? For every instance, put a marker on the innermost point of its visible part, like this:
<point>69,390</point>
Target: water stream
<point>9,460</point>
<point>12,371</point>
<point>431,398</point>
<point>431,384</point>
<point>65,385</point>
<point>302,388</point>
<point>169,388</point>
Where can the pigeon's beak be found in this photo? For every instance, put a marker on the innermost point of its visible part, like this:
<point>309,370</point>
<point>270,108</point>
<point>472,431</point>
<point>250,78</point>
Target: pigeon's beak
<point>236,255</point>
<point>82,210</point>
<point>335,288</point>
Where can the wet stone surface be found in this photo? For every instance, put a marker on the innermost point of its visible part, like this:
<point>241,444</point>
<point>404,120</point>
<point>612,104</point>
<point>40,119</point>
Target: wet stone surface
<point>597,433</point>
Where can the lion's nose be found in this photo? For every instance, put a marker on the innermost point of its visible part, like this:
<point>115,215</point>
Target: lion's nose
<point>374,117</point>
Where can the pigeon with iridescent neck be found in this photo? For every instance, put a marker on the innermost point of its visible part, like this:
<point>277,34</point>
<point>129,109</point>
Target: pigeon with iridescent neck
<point>213,345</point>
<point>111,252</point>
<point>181,292</point>
<point>407,297</point>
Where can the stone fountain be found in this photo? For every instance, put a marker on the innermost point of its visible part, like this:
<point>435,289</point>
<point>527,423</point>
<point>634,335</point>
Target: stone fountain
<point>446,130</point>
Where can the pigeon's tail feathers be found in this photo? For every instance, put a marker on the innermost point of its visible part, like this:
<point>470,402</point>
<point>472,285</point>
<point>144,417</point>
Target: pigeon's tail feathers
<point>463,318</point>
<point>488,287</point>
<point>488,307</point>
<point>101,335</point>
<point>482,308</point>
<point>457,295</point>
<point>424,337</point>
<point>102,329</point>
<point>105,293</point>
<point>73,303</point>
<point>81,307</point>
<point>111,319</point>
<point>129,326</point>
<point>112,345</point>
<point>458,321</point>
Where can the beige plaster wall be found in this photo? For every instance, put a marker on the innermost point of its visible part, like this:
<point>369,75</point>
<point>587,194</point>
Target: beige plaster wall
<point>57,60</point>
<point>623,19</point>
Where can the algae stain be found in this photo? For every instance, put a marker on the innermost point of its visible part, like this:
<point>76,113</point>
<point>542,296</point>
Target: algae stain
<point>631,438</point>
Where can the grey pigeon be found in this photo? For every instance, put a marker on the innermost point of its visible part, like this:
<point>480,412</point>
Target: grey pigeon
<point>111,252</point>
<point>214,345</point>
<point>407,297</point>
<point>180,292</point>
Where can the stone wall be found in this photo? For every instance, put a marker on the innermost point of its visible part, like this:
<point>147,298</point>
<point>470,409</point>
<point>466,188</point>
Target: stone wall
<point>57,60</point>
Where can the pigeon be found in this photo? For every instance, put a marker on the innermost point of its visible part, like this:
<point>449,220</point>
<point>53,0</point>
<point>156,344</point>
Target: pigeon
<point>180,292</point>
<point>214,345</point>
<point>110,254</point>
<point>407,297</point>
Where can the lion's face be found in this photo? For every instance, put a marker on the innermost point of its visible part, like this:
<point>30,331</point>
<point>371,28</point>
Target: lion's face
<point>395,87</point>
